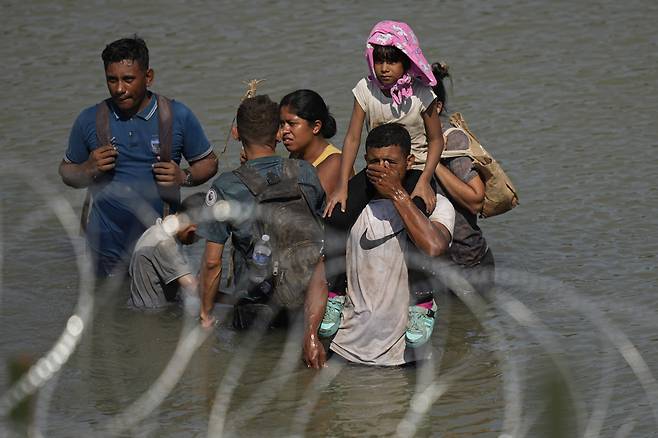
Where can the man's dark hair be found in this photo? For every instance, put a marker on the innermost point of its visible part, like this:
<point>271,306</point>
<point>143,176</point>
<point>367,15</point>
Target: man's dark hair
<point>127,48</point>
<point>389,134</point>
<point>258,120</point>
<point>192,206</point>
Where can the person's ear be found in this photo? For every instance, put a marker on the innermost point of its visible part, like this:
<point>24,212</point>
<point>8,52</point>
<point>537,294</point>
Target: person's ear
<point>317,127</point>
<point>150,75</point>
<point>410,161</point>
<point>234,133</point>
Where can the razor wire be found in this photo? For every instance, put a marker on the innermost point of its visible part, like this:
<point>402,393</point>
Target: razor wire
<point>517,421</point>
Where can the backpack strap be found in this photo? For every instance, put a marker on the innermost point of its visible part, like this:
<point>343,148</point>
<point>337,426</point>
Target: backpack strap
<point>103,132</point>
<point>165,134</point>
<point>251,178</point>
<point>291,168</point>
<point>165,127</point>
<point>103,136</point>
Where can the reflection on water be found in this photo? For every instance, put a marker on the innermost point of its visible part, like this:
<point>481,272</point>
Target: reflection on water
<point>562,96</point>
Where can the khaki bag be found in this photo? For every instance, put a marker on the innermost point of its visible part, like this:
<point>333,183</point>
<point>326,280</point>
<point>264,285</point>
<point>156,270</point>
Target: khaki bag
<point>500,195</point>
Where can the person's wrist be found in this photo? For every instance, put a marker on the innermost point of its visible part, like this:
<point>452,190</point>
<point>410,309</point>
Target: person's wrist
<point>187,178</point>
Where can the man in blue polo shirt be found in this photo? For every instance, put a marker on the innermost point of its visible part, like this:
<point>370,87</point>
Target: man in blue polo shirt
<point>126,177</point>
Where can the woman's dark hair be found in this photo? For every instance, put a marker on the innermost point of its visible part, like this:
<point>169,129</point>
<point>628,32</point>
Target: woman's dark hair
<point>127,48</point>
<point>440,71</point>
<point>390,54</point>
<point>310,106</point>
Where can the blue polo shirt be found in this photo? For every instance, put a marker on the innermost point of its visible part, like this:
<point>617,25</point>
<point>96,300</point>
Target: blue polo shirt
<point>126,200</point>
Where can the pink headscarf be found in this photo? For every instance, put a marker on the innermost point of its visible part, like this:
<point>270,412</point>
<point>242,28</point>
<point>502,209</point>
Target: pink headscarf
<point>400,35</point>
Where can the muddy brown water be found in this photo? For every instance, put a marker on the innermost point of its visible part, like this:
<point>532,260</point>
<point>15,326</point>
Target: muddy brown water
<point>563,94</point>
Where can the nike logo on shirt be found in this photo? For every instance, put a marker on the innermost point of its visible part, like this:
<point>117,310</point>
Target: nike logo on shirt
<point>368,244</point>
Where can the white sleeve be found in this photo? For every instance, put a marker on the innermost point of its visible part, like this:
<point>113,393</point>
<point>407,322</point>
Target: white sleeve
<point>361,93</point>
<point>425,95</point>
<point>444,213</point>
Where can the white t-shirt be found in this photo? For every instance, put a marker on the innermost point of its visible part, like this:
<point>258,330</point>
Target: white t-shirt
<point>376,309</point>
<point>380,109</point>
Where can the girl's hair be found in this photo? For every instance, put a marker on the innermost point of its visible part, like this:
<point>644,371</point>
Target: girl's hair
<point>310,106</point>
<point>390,54</point>
<point>440,71</point>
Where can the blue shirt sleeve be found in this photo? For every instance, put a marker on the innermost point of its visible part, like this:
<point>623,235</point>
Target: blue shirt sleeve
<point>209,228</point>
<point>195,142</point>
<point>82,139</point>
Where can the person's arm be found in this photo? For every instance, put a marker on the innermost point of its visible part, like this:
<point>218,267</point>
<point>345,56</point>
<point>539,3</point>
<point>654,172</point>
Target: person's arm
<point>101,160</point>
<point>430,237</point>
<point>350,149</point>
<point>434,136</point>
<point>170,174</point>
<point>209,278</point>
<point>314,306</point>
<point>188,284</point>
<point>328,173</point>
<point>469,195</point>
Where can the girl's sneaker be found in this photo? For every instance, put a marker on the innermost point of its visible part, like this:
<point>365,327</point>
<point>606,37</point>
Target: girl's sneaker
<point>332,313</point>
<point>420,325</point>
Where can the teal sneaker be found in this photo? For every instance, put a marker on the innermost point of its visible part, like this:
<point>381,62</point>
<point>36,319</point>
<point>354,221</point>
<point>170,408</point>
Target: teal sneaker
<point>331,320</point>
<point>420,325</point>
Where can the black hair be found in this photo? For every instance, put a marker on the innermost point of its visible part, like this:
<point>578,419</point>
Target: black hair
<point>127,48</point>
<point>390,54</point>
<point>440,71</point>
<point>310,106</point>
<point>192,206</point>
<point>258,120</point>
<point>389,134</point>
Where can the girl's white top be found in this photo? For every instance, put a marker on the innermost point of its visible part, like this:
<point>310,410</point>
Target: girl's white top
<point>380,109</point>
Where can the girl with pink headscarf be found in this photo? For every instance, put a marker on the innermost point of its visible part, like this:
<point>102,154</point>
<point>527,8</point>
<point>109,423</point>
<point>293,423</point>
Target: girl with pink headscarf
<point>397,89</point>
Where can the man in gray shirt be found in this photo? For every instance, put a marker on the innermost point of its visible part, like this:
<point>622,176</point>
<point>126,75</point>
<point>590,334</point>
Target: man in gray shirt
<point>158,267</point>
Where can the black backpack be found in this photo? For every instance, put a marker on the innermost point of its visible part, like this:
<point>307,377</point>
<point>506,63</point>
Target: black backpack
<point>296,232</point>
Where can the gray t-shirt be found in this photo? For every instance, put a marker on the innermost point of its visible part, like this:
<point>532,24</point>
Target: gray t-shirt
<point>375,314</point>
<point>157,262</point>
<point>468,244</point>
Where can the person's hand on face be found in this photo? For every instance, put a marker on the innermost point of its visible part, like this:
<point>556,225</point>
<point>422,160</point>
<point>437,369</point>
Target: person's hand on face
<point>386,178</point>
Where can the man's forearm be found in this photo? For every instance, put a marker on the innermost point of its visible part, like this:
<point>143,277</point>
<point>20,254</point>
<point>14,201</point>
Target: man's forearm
<point>209,285</point>
<point>418,226</point>
<point>76,175</point>
<point>204,169</point>
<point>314,306</point>
<point>316,300</point>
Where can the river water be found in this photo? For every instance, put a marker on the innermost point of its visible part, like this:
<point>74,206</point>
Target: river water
<point>562,93</point>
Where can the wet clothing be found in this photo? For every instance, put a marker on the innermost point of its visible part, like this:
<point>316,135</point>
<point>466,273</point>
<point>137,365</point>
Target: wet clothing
<point>126,200</point>
<point>372,330</point>
<point>379,109</point>
<point>326,153</point>
<point>469,253</point>
<point>239,223</point>
<point>156,264</point>
<point>468,243</point>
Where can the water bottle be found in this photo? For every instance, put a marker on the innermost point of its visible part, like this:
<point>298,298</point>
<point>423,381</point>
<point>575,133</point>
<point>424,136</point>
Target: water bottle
<point>260,286</point>
<point>262,251</point>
